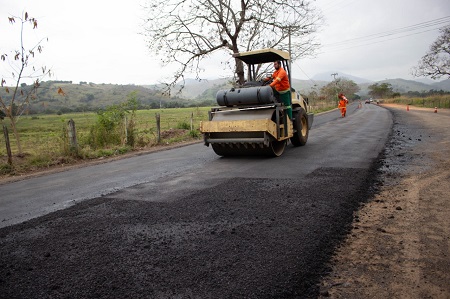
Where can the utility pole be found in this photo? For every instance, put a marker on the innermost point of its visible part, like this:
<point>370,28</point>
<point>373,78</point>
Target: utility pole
<point>334,76</point>
<point>290,55</point>
<point>335,82</point>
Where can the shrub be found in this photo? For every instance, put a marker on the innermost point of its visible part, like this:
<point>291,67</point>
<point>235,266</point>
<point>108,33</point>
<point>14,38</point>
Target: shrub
<point>110,126</point>
<point>194,133</point>
<point>183,125</point>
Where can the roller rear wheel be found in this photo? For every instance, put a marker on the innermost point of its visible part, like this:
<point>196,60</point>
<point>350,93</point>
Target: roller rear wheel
<point>300,136</point>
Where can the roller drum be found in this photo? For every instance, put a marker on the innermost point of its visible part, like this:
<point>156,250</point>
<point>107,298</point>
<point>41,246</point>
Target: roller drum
<point>245,96</point>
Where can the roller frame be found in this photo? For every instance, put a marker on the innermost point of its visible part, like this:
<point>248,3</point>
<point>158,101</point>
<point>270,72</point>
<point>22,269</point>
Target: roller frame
<point>240,125</point>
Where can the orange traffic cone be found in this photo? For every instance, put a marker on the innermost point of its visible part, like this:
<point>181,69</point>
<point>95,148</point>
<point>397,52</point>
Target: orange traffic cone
<point>435,109</point>
<point>407,107</point>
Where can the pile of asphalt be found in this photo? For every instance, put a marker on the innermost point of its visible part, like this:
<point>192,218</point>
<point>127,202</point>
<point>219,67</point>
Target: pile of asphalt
<point>244,238</point>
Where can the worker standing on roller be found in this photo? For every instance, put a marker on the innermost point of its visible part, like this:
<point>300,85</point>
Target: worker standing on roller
<point>281,87</point>
<point>342,104</point>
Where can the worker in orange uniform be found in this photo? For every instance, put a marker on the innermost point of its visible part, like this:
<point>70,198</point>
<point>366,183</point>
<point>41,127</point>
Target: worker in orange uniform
<point>281,86</point>
<point>342,104</point>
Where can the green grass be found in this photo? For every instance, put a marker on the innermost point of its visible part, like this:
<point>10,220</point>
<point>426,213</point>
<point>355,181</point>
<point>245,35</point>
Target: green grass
<point>44,141</point>
<point>439,101</point>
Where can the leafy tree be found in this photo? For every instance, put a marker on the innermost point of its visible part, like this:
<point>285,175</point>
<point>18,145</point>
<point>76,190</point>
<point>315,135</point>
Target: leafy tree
<point>20,61</point>
<point>187,31</point>
<point>436,63</point>
<point>346,86</point>
<point>89,98</point>
<point>380,91</point>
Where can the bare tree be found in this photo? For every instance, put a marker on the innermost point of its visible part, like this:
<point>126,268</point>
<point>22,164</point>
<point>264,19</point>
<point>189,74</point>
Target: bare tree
<point>19,95</point>
<point>436,63</point>
<point>187,31</point>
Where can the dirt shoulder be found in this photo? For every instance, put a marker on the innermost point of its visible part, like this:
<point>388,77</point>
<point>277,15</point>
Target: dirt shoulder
<point>399,246</point>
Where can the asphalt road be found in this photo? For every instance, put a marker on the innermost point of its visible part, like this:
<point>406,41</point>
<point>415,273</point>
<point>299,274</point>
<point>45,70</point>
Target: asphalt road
<point>185,223</point>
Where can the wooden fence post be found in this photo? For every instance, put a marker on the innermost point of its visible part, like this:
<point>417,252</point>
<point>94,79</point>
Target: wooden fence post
<point>72,132</point>
<point>8,145</point>
<point>126,129</point>
<point>158,127</point>
<point>192,121</point>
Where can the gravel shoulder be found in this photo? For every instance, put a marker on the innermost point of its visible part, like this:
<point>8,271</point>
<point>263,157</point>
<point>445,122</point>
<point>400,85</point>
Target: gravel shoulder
<point>399,246</point>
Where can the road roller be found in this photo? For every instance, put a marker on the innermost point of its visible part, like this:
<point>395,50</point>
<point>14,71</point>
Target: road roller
<point>251,119</point>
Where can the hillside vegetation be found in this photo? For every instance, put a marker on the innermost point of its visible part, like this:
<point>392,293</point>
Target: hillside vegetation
<point>85,96</point>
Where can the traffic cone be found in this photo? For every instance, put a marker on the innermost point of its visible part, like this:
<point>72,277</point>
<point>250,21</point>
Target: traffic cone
<point>407,107</point>
<point>435,109</point>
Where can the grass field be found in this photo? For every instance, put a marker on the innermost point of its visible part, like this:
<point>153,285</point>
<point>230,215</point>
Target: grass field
<point>44,141</point>
<point>439,101</point>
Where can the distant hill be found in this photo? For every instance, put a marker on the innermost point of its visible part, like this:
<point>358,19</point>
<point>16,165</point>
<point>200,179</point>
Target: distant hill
<point>195,89</point>
<point>210,87</point>
<point>207,89</point>
<point>404,86</point>
<point>91,97</point>
<point>444,85</point>
<point>327,77</point>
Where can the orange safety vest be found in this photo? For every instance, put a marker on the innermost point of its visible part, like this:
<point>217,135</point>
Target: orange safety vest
<point>343,103</point>
<point>280,80</point>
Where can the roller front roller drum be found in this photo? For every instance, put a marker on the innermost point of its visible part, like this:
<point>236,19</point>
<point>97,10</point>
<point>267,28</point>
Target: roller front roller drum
<point>275,149</point>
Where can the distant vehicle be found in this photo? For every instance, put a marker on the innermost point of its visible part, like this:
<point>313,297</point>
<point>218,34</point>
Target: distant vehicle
<point>367,101</point>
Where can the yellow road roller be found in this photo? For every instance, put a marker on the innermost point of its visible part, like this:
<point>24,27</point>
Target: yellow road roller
<point>251,119</point>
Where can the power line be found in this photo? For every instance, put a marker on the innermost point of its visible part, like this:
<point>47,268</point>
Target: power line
<point>387,35</point>
<point>437,22</point>
<point>315,83</point>
<point>381,37</point>
<point>376,42</point>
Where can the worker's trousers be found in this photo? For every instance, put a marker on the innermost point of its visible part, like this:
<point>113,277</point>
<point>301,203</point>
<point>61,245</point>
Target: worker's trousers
<point>285,98</point>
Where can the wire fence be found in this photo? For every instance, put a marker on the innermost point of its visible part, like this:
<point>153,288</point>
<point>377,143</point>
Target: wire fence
<point>46,140</point>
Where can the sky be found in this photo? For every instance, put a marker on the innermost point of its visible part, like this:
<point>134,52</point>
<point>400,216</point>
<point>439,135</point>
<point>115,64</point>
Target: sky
<point>101,41</point>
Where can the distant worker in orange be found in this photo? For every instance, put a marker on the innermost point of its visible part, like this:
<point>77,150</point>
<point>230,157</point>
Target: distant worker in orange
<point>281,86</point>
<point>342,104</point>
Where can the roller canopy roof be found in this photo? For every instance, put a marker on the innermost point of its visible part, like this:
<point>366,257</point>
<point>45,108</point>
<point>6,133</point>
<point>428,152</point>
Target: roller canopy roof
<point>262,56</point>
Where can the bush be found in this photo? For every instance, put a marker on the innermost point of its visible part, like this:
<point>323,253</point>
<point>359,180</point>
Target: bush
<point>194,133</point>
<point>110,126</point>
<point>6,169</point>
<point>183,125</point>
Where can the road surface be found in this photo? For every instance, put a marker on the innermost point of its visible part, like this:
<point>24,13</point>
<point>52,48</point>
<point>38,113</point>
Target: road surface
<point>185,223</point>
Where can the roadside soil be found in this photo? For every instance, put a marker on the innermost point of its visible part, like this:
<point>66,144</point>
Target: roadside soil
<point>399,246</point>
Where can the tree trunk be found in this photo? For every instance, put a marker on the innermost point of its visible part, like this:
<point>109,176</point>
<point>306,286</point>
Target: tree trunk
<point>8,145</point>
<point>240,71</point>
<point>16,135</point>
<point>239,64</point>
